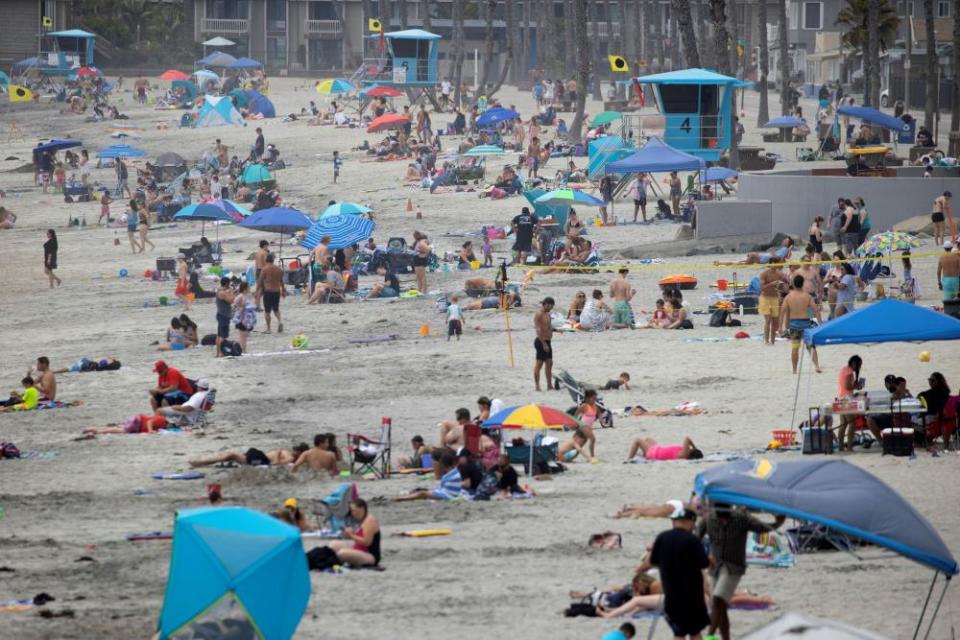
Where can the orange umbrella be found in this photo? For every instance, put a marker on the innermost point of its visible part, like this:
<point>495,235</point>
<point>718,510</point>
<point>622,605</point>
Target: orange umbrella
<point>388,121</point>
<point>173,74</point>
<point>383,91</point>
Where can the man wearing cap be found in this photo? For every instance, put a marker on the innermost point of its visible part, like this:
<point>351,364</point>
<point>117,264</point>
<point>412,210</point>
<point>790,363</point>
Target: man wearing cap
<point>728,529</point>
<point>172,386</point>
<point>542,344</point>
<point>192,405</point>
<point>948,272</point>
<point>681,559</point>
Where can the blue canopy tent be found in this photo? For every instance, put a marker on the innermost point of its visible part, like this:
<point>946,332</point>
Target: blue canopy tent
<point>868,114</point>
<point>885,321</point>
<point>53,146</point>
<point>837,495</point>
<point>344,230</point>
<point>719,174</point>
<point>235,566</point>
<point>244,63</point>
<point>656,156</point>
<point>216,59</point>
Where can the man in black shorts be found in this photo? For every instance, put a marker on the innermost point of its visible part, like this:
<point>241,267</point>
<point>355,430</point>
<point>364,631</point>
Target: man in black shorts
<point>544,328</point>
<point>224,301</point>
<point>271,284</point>
<point>524,226</point>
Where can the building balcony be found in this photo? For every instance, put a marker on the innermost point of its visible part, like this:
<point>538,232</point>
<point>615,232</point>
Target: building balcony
<point>324,28</point>
<point>224,25</point>
<point>603,32</point>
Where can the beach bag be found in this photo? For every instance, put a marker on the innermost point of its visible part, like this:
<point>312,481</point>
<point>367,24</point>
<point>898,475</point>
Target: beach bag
<point>230,348</point>
<point>817,440</point>
<point>8,450</point>
<point>719,318</point>
<point>322,558</point>
<point>583,608</point>
<point>209,340</point>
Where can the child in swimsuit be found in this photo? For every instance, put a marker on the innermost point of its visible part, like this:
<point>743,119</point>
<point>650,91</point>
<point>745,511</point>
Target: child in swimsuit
<point>570,449</point>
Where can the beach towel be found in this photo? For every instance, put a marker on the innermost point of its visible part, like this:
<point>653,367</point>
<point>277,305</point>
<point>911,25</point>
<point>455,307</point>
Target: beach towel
<point>770,549</point>
<point>56,404</point>
<point>178,475</point>
<point>424,533</point>
<point>36,455</point>
<point>150,535</point>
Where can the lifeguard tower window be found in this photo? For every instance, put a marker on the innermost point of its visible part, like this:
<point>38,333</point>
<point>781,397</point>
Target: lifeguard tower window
<point>680,98</point>
<point>709,115</point>
<point>413,52</point>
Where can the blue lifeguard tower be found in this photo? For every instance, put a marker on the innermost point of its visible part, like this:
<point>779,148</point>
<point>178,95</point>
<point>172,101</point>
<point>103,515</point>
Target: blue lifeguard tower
<point>406,60</point>
<point>71,48</point>
<point>696,106</point>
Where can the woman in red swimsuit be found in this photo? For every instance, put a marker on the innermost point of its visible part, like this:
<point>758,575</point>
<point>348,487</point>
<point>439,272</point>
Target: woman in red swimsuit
<point>362,549</point>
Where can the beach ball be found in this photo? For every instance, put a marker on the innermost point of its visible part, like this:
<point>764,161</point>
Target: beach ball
<point>163,301</point>
<point>425,330</point>
<point>300,342</point>
<point>123,273</point>
<point>147,274</point>
<point>924,356</point>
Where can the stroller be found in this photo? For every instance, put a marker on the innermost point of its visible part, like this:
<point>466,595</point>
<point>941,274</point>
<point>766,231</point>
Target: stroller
<point>564,380</point>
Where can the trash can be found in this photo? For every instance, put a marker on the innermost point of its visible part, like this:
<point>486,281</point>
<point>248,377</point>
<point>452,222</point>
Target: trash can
<point>908,133</point>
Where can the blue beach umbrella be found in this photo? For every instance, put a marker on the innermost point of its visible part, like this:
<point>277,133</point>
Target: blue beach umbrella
<point>344,230</point>
<point>121,151</point>
<point>282,220</point>
<point>496,115</point>
<point>345,209</point>
<point>234,568</point>
<point>485,150</point>
<point>784,122</point>
<point>719,174</point>
<point>204,212</point>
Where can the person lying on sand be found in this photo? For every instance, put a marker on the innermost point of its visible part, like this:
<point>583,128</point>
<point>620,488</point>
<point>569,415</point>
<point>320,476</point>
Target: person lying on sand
<point>776,256</point>
<point>133,424</point>
<point>254,457</point>
<point>570,449</point>
<point>450,482</point>
<point>97,363</point>
<point>490,302</point>
<point>653,451</point>
<point>682,409</point>
<point>664,510</point>
<point>319,457</point>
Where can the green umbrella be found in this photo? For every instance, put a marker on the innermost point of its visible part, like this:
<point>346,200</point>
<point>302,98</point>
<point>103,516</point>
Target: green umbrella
<point>605,117</point>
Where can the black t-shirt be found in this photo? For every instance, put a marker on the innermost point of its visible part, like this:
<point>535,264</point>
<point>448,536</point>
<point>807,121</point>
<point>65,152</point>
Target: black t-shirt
<point>681,558</point>
<point>259,144</point>
<point>509,480</point>
<point>390,279</point>
<point>474,473</point>
<point>525,223</point>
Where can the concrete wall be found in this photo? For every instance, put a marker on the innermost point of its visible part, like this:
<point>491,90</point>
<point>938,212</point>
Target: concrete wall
<point>797,199</point>
<point>733,218</point>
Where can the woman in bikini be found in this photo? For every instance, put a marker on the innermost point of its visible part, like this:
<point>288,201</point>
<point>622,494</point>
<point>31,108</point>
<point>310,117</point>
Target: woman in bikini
<point>588,413</point>
<point>182,290</point>
<point>421,245</point>
<point>653,451</point>
<point>144,227</point>
<point>938,216</point>
<point>363,547</point>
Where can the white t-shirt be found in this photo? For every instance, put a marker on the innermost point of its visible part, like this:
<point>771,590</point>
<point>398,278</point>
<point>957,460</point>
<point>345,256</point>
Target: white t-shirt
<point>216,190</point>
<point>341,118</point>
<point>454,312</point>
<point>445,88</point>
<point>196,400</point>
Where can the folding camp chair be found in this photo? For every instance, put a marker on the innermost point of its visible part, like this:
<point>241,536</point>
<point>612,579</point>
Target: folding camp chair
<point>334,510</point>
<point>577,391</point>
<point>471,438</point>
<point>369,453</point>
<point>198,419</point>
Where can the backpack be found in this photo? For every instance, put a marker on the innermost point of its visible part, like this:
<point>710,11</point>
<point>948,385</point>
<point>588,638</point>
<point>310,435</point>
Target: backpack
<point>322,558</point>
<point>230,348</point>
<point>586,609</point>
<point>8,450</point>
<point>719,318</point>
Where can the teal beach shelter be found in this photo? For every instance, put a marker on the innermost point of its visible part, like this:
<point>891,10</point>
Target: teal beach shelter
<point>234,572</point>
<point>218,111</point>
<point>696,107</point>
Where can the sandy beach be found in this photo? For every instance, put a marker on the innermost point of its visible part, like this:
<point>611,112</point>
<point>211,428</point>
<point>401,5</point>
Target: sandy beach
<point>508,566</point>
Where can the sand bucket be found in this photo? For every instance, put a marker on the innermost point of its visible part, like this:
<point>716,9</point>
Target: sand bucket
<point>424,330</point>
<point>474,264</point>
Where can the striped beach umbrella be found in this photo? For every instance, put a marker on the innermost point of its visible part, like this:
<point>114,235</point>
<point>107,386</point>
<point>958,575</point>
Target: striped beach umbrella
<point>334,86</point>
<point>530,416</point>
<point>344,230</point>
<point>485,150</point>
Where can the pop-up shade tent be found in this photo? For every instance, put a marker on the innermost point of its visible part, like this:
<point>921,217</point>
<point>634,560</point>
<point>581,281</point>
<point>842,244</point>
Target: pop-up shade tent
<point>873,116</point>
<point>258,103</point>
<point>784,122</point>
<point>244,63</point>
<point>234,569</point>
<point>218,111</point>
<point>53,146</point>
<point>656,156</point>
<point>886,321</point>
<point>837,495</point>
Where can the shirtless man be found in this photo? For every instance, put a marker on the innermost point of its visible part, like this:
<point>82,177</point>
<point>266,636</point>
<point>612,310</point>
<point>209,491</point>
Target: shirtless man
<point>271,284</point>
<point>622,293</point>
<point>941,210</point>
<point>318,458</point>
<point>479,287</point>
<point>259,262</point>
<point>542,345</point>
<point>769,304</point>
<point>812,282</point>
<point>223,153</point>
<point>797,310</point>
<point>46,382</point>
<point>451,431</point>
<point>321,253</point>
<point>948,272</point>
<point>254,457</point>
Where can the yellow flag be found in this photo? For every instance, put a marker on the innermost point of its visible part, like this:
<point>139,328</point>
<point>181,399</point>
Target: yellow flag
<point>375,25</point>
<point>47,22</point>
<point>618,64</point>
<point>20,94</point>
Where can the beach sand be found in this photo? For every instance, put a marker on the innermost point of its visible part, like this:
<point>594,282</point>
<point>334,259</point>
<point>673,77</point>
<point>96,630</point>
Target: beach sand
<point>508,566</point>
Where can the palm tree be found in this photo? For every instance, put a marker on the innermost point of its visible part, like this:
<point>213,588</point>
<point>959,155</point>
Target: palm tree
<point>569,46</point>
<point>721,39</point>
<point>456,50</point>
<point>732,47</point>
<point>681,9</point>
<point>425,7</point>
<point>932,88</point>
<point>873,52</point>
<point>955,85</point>
<point>136,13</point>
<point>862,19</point>
<point>489,6</point>
<point>583,68</point>
<point>784,59</point>
<point>701,22</point>
<point>402,8</point>
<point>763,115</point>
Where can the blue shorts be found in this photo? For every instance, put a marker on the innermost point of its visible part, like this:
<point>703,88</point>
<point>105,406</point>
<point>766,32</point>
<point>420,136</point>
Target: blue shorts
<point>175,397</point>
<point>443,494</point>
<point>223,326</point>
<point>388,292</point>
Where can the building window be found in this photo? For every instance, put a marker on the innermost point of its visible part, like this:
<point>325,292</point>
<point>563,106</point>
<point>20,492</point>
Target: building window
<point>277,51</point>
<point>229,9</point>
<point>943,8</point>
<point>321,11</point>
<point>813,15</point>
<point>276,15</point>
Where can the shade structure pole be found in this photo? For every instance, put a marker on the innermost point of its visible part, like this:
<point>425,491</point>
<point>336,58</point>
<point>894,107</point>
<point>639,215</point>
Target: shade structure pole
<point>936,610</point>
<point>923,611</point>
<point>796,393</point>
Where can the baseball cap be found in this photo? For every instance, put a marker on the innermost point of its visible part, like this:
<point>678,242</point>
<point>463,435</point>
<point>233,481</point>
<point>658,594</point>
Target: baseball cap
<point>947,245</point>
<point>203,383</point>
<point>290,502</point>
<point>686,514</point>
<point>159,366</point>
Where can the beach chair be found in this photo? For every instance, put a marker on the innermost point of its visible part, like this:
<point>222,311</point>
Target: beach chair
<point>471,438</point>
<point>370,453</point>
<point>198,419</point>
<point>334,510</point>
<point>577,390</point>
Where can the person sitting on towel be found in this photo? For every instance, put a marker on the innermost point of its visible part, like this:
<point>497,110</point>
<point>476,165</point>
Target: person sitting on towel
<point>450,482</point>
<point>25,401</point>
<point>319,457</point>
<point>653,451</point>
